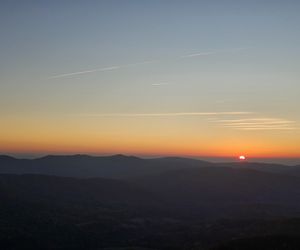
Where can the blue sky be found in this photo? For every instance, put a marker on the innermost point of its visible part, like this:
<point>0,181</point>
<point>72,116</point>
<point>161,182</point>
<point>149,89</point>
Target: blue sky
<point>87,59</point>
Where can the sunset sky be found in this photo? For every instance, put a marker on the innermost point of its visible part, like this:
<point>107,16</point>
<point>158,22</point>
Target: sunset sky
<point>187,78</point>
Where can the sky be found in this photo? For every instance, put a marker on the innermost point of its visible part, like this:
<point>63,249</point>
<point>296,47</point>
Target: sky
<point>187,78</point>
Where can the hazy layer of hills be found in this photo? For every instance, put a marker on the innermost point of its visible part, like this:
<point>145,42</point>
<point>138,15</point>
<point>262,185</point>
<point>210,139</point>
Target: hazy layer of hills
<point>120,202</point>
<point>120,166</point>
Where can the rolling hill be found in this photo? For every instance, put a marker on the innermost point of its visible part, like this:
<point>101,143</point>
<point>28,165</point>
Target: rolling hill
<point>84,166</point>
<point>186,208</point>
<point>121,166</point>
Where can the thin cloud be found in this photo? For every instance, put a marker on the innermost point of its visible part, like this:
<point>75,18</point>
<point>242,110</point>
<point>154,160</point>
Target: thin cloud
<point>267,128</point>
<point>110,68</point>
<point>160,84</point>
<point>140,63</point>
<point>207,53</point>
<point>257,120</point>
<point>84,72</point>
<point>98,70</point>
<point>166,114</point>
<point>237,124</point>
<point>199,54</point>
<point>259,124</point>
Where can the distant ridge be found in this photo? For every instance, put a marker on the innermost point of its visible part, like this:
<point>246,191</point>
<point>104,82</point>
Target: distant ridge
<point>7,157</point>
<point>85,166</point>
<point>120,166</point>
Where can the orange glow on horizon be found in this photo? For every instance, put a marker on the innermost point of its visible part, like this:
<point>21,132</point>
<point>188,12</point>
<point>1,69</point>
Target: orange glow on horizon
<point>139,137</point>
<point>146,150</point>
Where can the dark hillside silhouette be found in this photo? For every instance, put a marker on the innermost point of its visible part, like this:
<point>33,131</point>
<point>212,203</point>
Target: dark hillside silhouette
<point>120,166</point>
<point>169,203</point>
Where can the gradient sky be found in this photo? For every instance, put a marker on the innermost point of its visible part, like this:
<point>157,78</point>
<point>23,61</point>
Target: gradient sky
<point>193,78</point>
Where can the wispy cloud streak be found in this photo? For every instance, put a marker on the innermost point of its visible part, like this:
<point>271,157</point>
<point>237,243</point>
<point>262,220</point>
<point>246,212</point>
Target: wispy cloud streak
<point>166,114</point>
<point>110,68</point>
<point>268,128</point>
<point>97,70</point>
<point>236,122</point>
<point>213,52</point>
<point>85,72</point>
<point>160,84</point>
<point>199,54</point>
<point>259,124</point>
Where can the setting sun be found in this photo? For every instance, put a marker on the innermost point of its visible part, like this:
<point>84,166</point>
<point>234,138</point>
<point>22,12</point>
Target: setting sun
<point>149,124</point>
<point>242,157</point>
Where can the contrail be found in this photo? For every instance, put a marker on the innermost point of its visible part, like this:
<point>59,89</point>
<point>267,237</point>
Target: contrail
<point>84,72</point>
<point>138,63</point>
<point>98,70</point>
<point>165,114</point>
<point>213,52</point>
<point>160,84</point>
<point>199,54</point>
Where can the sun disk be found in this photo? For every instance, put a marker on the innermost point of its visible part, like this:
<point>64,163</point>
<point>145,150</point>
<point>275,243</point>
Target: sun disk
<point>242,157</point>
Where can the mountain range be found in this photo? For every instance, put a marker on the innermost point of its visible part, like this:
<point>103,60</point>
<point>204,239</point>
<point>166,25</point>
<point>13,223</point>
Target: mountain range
<point>125,202</point>
<point>121,166</point>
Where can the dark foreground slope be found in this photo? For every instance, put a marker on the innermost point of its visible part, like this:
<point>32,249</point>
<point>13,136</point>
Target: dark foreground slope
<point>265,167</point>
<point>227,192</point>
<point>66,190</point>
<point>263,242</point>
<point>48,212</point>
<point>193,208</point>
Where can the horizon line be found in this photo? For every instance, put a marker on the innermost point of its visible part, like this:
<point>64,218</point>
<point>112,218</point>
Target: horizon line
<point>17,155</point>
